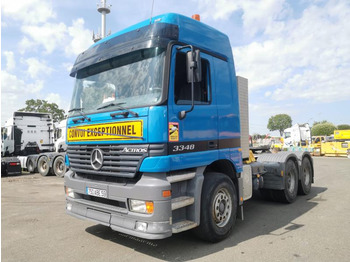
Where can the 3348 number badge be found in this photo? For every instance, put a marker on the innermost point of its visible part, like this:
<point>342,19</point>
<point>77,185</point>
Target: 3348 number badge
<point>180,148</point>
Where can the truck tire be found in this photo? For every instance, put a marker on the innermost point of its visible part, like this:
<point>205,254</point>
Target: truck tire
<point>218,208</point>
<point>305,177</point>
<point>59,167</point>
<point>289,193</point>
<point>43,166</point>
<point>31,165</point>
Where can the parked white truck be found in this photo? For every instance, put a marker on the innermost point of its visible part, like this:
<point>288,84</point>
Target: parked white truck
<point>297,135</point>
<point>30,136</point>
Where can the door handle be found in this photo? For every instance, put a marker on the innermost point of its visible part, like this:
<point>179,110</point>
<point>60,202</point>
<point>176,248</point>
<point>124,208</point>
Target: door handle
<point>212,145</point>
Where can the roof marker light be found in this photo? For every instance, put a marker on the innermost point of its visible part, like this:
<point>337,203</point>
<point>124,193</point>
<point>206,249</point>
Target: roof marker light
<point>196,17</point>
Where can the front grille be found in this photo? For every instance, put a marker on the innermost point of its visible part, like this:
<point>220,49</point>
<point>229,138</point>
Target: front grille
<point>118,160</point>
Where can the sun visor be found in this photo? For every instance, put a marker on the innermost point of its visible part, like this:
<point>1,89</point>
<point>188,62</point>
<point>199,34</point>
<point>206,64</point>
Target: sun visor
<point>158,34</point>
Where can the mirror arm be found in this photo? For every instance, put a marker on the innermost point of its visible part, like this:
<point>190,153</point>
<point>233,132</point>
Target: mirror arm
<point>182,114</point>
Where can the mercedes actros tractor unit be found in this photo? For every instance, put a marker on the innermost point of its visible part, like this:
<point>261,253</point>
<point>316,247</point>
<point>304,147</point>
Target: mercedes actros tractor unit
<point>158,139</point>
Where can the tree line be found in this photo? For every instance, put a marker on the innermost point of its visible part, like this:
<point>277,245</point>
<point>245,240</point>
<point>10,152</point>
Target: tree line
<point>319,128</point>
<point>43,106</point>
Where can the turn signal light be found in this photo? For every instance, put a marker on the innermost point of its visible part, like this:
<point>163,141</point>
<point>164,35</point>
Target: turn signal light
<point>166,193</point>
<point>149,207</point>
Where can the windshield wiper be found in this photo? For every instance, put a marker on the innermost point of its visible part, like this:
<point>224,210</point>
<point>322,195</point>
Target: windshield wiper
<point>125,114</point>
<point>80,110</point>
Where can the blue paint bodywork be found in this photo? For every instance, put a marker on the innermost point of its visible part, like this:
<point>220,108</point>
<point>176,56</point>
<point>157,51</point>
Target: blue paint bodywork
<point>215,121</point>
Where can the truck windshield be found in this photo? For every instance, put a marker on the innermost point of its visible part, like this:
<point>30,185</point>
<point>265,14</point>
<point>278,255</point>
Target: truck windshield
<point>287,135</point>
<point>133,80</point>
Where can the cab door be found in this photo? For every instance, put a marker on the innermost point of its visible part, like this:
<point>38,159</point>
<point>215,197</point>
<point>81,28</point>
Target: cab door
<point>198,131</point>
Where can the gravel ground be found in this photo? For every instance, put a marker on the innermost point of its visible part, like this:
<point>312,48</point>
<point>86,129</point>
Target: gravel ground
<point>314,228</point>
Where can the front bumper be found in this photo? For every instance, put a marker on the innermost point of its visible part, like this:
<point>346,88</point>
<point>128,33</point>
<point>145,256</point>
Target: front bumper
<point>114,211</point>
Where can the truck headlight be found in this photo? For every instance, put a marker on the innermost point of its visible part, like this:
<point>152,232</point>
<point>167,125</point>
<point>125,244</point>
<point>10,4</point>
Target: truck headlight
<point>140,206</point>
<point>70,192</point>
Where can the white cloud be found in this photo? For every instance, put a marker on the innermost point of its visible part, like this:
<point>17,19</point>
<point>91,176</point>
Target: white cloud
<point>268,93</point>
<point>10,60</point>
<point>14,93</point>
<point>52,37</point>
<point>37,67</point>
<point>67,66</point>
<point>220,9</point>
<point>257,15</point>
<point>10,84</point>
<point>26,45</point>
<point>81,38</point>
<point>27,11</point>
<point>56,98</point>
<point>49,35</point>
<point>309,59</point>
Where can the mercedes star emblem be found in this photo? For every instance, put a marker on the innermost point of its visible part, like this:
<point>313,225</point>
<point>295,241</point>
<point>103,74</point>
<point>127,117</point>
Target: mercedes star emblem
<point>96,159</point>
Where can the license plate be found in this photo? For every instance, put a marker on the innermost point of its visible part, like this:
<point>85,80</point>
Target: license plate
<point>96,192</point>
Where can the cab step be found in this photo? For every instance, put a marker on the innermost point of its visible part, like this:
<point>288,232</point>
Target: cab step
<point>180,176</point>
<point>181,201</point>
<point>183,226</point>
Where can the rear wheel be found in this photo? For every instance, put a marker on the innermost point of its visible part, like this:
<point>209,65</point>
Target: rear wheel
<point>289,193</point>
<point>59,167</point>
<point>305,177</point>
<point>43,166</point>
<point>218,208</point>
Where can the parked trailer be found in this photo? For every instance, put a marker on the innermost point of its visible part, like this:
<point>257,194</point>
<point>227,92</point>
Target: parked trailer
<point>158,135</point>
<point>30,137</point>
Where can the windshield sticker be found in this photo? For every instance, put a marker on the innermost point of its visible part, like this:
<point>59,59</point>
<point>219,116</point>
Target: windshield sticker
<point>173,132</point>
<point>107,131</point>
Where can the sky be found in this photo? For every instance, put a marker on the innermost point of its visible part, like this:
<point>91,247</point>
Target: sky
<point>295,54</point>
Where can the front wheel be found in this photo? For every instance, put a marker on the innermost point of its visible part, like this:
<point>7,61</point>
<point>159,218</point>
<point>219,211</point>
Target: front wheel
<point>218,208</point>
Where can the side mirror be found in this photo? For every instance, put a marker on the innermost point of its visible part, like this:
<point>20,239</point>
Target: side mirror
<point>194,73</point>
<point>194,61</point>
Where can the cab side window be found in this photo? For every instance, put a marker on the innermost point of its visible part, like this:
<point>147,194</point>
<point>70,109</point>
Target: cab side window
<point>183,89</point>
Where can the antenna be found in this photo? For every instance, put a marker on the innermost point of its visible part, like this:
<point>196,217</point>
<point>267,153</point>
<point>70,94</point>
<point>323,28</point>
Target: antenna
<point>151,12</point>
<point>104,9</point>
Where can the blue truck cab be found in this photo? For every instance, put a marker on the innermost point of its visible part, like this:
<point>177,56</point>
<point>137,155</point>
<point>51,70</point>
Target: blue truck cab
<point>154,135</point>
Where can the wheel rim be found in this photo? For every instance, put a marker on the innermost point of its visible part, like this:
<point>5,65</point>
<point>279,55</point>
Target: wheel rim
<point>60,167</point>
<point>44,165</point>
<point>222,207</point>
<point>306,175</point>
<point>291,181</point>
